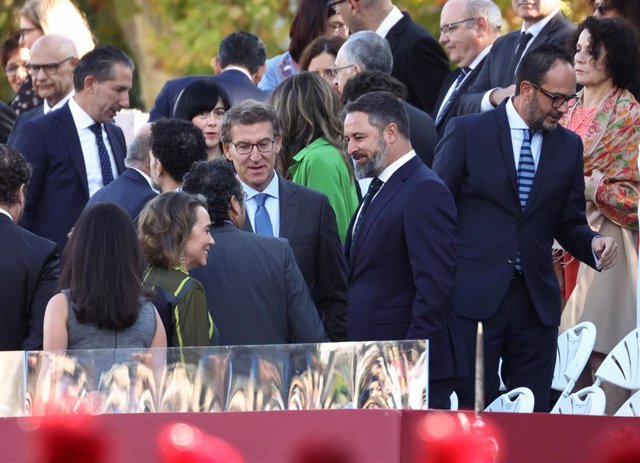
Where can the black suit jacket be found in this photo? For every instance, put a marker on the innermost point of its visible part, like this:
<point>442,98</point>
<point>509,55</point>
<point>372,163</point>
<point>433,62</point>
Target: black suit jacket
<point>500,67</point>
<point>58,189</point>
<point>475,159</point>
<point>422,131</point>
<point>402,268</point>
<point>7,120</point>
<point>308,222</point>
<point>255,291</point>
<point>419,62</point>
<point>131,191</point>
<point>22,118</point>
<point>29,270</point>
<point>237,86</point>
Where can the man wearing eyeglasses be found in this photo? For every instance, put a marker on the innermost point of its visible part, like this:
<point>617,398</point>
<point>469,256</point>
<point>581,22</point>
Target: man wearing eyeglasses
<point>542,22</point>
<point>53,59</point>
<point>251,139</point>
<point>517,179</point>
<point>468,29</point>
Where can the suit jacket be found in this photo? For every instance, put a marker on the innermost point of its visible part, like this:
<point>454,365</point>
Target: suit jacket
<point>308,222</point>
<point>500,67</point>
<point>452,110</point>
<point>422,132</point>
<point>131,191</point>
<point>237,86</point>
<point>7,120</point>
<point>475,159</point>
<point>419,62</point>
<point>22,118</point>
<point>402,268</point>
<point>255,291</point>
<point>28,279</point>
<point>58,189</point>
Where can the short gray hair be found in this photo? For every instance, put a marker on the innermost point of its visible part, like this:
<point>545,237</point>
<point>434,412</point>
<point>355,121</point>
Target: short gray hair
<point>138,150</point>
<point>369,51</point>
<point>487,9</point>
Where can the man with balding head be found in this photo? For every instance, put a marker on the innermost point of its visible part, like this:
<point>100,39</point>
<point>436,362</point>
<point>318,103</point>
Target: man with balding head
<point>468,29</point>
<point>53,59</point>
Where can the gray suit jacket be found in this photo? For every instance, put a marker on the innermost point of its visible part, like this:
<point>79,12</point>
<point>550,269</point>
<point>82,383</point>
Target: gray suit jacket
<point>255,291</point>
<point>499,67</point>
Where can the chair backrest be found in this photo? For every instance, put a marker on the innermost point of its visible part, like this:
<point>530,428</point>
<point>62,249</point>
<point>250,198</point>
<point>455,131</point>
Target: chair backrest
<point>588,401</point>
<point>518,400</point>
<point>631,407</point>
<point>572,353</point>
<point>622,366</point>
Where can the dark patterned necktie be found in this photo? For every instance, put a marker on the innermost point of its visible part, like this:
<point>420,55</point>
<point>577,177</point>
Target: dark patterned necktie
<point>374,187</point>
<point>522,46</point>
<point>456,87</point>
<point>105,161</point>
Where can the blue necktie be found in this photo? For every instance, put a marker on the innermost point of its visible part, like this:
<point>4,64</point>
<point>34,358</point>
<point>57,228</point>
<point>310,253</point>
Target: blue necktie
<point>105,161</point>
<point>456,86</point>
<point>526,174</point>
<point>263,221</point>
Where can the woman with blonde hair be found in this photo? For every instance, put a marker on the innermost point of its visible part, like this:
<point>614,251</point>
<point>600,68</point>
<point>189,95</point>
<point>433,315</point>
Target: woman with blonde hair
<point>314,152</point>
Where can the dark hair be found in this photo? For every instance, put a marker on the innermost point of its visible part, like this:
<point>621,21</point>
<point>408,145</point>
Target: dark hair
<point>383,108</point>
<point>248,112</point>
<point>198,97</point>
<point>536,63</point>
<point>99,64</point>
<point>102,267</point>
<point>165,224</point>
<point>242,49</point>
<point>14,171</point>
<point>308,23</point>
<point>628,9</point>
<point>620,41</point>
<point>318,46</point>
<point>177,144</point>
<point>216,181</point>
<point>9,46</point>
<point>372,81</point>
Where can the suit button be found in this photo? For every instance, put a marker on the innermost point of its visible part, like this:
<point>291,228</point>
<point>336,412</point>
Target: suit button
<point>510,260</point>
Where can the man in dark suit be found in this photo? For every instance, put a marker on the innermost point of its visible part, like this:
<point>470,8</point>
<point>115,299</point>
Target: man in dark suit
<point>53,59</point>
<point>542,22</point>
<point>76,150</point>
<point>133,189</point>
<point>366,51</point>
<point>468,29</point>
<point>401,250</point>
<point>517,178</point>
<point>418,60</point>
<point>239,67</point>
<point>251,138</point>
<point>29,266</point>
<point>255,291</point>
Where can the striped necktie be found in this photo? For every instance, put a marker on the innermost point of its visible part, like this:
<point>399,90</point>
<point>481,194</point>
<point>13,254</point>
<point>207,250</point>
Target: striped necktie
<point>456,86</point>
<point>526,174</point>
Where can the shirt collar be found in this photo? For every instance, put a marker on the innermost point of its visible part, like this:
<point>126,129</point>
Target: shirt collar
<point>480,57</point>
<point>271,189</point>
<point>5,212</point>
<point>80,116</point>
<point>515,120</point>
<point>535,29</point>
<point>391,169</point>
<point>387,23</point>
<point>59,104</point>
<point>145,176</point>
<point>237,68</point>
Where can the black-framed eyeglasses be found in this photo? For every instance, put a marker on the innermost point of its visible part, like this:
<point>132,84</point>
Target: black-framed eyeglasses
<point>263,146</point>
<point>600,8</point>
<point>333,3</point>
<point>447,28</point>
<point>49,69</point>
<point>557,100</point>
<point>335,70</point>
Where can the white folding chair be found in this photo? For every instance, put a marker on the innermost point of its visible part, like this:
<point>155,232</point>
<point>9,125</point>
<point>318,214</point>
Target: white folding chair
<point>631,407</point>
<point>572,353</point>
<point>622,366</point>
<point>518,400</point>
<point>588,401</point>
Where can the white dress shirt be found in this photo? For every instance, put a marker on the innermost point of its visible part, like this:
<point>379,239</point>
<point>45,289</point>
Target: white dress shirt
<point>517,125</point>
<point>47,109</point>
<point>272,203</point>
<point>5,212</point>
<point>90,148</point>
<point>387,23</point>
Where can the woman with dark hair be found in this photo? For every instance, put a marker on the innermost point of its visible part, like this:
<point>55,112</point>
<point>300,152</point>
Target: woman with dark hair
<point>314,152</point>
<point>607,118</point>
<point>313,18</point>
<point>100,305</point>
<point>14,62</point>
<point>320,57</point>
<point>204,103</point>
<point>173,230</point>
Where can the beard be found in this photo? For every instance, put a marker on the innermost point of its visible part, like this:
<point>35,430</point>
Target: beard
<point>375,164</point>
<point>537,117</point>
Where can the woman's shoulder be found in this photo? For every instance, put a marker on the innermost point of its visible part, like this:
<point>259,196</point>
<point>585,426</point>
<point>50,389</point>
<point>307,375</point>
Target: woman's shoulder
<point>319,151</point>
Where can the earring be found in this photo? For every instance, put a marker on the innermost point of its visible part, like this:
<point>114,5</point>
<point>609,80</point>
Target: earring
<point>183,261</point>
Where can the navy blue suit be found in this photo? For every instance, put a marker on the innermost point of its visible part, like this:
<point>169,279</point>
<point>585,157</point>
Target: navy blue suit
<point>22,118</point>
<point>237,86</point>
<point>476,160</point>
<point>130,191</point>
<point>401,271</point>
<point>58,189</point>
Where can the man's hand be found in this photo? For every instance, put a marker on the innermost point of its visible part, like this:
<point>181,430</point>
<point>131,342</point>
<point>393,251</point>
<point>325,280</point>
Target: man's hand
<point>500,94</point>
<point>605,249</point>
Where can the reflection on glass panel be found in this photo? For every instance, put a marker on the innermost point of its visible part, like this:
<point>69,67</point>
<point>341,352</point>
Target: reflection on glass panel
<point>12,398</point>
<point>209,388</point>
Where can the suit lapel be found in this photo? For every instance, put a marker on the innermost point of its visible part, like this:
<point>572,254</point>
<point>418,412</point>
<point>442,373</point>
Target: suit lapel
<point>119,151</point>
<point>393,36</point>
<point>289,205</point>
<point>71,140</point>
<point>506,147</point>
